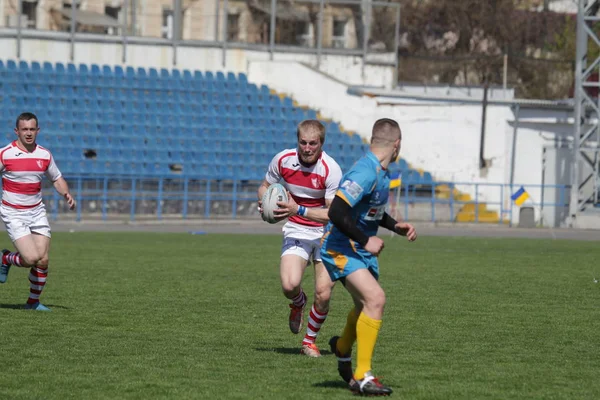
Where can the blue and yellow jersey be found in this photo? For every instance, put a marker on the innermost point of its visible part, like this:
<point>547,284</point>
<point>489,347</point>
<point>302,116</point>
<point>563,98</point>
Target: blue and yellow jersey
<point>365,187</point>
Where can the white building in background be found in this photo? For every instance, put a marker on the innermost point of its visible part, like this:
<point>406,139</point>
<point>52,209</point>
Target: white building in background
<point>247,21</point>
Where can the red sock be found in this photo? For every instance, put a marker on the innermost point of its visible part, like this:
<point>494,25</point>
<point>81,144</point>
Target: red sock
<point>37,280</point>
<point>300,299</point>
<point>315,320</point>
<point>12,259</point>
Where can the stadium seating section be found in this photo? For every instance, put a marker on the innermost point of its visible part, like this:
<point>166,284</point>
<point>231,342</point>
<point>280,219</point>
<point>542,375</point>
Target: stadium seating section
<point>102,120</point>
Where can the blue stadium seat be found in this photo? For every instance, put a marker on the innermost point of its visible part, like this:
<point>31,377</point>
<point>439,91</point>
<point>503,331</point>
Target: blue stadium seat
<point>48,68</point>
<point>427,179</point>
<point>216,124</point>
<point>403,164</point>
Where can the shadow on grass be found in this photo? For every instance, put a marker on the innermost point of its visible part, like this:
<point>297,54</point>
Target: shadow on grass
<point>21,306</point>
<point>287,350</point>
<point>332,384</point>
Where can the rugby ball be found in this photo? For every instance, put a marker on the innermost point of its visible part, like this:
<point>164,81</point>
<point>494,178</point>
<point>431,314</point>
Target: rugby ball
<point>275,193</point>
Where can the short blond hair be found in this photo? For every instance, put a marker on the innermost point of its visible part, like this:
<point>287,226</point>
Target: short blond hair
<point>311,125</point>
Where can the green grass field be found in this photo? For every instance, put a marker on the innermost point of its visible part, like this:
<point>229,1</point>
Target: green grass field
<point>171,316</point>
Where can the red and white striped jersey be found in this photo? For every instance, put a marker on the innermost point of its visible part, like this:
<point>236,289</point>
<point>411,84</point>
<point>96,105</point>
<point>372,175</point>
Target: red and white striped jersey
<point>309,186</point>
<point>22,174</point>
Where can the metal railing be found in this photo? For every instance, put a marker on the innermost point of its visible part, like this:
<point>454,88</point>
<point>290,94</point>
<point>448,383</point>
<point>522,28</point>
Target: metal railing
<point>316,27</point>
<point>442,202</point>
<point>156,198</point>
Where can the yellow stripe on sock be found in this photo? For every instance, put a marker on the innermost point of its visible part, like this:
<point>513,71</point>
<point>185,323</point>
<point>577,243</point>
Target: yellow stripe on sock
<point>367,330</point>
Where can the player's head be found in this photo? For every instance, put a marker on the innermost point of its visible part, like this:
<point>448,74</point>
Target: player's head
<point>27,128</point>
<point>387,135</point>
<point>311,136</point>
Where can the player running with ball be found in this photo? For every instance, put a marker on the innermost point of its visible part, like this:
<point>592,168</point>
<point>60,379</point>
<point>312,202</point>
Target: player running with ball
<point>312,178</point>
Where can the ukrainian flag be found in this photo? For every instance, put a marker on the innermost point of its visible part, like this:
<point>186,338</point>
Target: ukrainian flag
<point>395,180</point>
<point>520,196</point>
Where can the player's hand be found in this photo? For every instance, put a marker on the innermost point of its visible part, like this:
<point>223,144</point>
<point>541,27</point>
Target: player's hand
<point>286,209</point>
<point>70,201</point>
<point>406,229</point>
<point>260,209</point>
<point>374,245</point>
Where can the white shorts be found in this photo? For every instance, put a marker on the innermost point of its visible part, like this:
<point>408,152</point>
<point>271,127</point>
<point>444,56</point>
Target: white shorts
<point>21,223</point>
<point>302,241</point>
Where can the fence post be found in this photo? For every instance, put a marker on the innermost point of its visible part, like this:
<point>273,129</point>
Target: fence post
<point>477,203</point>
<point>501,204</point>
<point>396,45</point>
<point>234,202</point>
<point>73,14</point>
<point>177,28</point>
<point>320,33</point>
<point>104,197</point>
<point>132,205</point>
<point>159,199</point>
<point>451,186</point>
<point>20,12</point>
<point>366,34</point>
<point>272,29</point>
<point>433,202</point>
<point>207,201</point>
<point>79,190</point>
<point>225,28</point>
<point>185,198</point>
<point>124,52</point>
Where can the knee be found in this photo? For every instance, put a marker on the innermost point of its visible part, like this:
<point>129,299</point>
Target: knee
<point>288,287</point>
<point>43,263</point>
<point>376,300</point>
<point>32,259</point>
<point>322,298</point>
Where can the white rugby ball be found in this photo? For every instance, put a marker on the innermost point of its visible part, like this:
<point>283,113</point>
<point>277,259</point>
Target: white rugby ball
<point>275,193</point>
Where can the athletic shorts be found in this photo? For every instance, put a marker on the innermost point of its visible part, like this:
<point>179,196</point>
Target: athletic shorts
<point>302,241</point>
<point>341,262</point>
<point>21,223</point>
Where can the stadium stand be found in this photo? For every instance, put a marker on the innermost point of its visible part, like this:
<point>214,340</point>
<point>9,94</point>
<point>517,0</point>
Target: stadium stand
<point>117,121</point>
<point>135,121</point>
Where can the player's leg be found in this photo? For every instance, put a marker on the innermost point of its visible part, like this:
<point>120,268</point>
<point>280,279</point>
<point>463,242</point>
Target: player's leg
<point>38,273</point>
<point>17,227</point>
<point>294,260</point>
<point>320,308</point>
<point>365,289</point>
<point>341,346</point>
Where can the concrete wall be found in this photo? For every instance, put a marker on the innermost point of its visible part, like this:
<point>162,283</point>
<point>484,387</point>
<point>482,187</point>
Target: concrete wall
<point>346,68</point>
<point>440,137</point>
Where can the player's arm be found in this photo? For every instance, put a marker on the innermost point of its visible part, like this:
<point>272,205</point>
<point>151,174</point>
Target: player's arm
<point>60,184</point>
<point>340,215</point>
<point>317,214</point>
<point>262,189</point>
<point>321,214</point>
<point>272,176</point>
<point>62,188</point>
<point>401,228</point>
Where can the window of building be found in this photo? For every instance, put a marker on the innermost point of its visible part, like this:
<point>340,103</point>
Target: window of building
<point>68,5</point>
<point>29,10</point>
<point>339,33</point>
<point>303,33</point>
<point>167,23</point>
<point>112,12</point>
<point>233,26</point>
